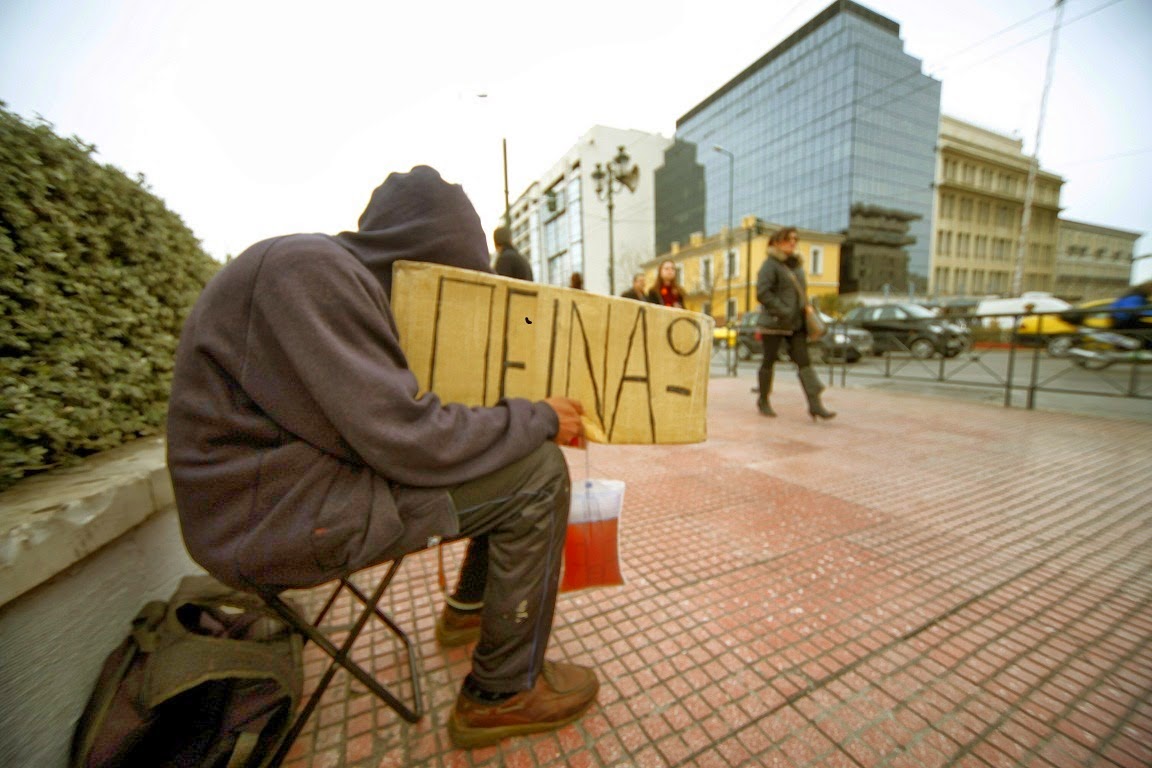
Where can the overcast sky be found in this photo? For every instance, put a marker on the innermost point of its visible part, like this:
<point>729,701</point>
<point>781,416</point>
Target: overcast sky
<point>254,119</point>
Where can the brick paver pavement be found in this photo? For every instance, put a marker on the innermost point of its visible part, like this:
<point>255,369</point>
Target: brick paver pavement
<point>919,582</point>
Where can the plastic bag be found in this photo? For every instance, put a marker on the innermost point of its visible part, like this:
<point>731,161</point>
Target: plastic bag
<point>591,557</point>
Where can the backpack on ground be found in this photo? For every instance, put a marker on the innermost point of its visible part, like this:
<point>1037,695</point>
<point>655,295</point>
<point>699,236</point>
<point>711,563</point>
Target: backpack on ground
<point>211,678</point>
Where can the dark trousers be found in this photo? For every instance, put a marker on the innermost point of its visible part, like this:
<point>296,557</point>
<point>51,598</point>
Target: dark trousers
<point>797,349</point>
<point>516,519</point>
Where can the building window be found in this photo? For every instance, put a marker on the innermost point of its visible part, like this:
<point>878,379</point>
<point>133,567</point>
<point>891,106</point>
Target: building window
<point>557,269</point>
<point>965,209</point>
<point>575,213</point>
<point>705,273</point>
<point>731,264</point>
<point>554,201</point>
<point>731,309</point>
<point>816,261</point>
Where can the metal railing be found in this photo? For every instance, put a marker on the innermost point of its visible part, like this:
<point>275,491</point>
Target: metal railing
<point>1000,357</point>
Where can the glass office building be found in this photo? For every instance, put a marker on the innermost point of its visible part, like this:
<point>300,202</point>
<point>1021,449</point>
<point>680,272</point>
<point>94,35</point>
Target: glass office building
<point>836,115</point>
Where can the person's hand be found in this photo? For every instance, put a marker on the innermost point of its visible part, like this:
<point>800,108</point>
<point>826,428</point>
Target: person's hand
<point>568,412</point>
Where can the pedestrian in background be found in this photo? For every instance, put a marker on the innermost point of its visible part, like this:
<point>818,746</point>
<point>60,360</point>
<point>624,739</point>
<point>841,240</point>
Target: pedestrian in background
<point>667,291</point>
<point>509,261</point>
<point>782,291</point>
<point>637,291</point>
<point>576,281</point>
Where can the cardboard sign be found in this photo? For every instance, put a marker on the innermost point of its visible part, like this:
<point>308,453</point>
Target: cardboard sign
<point>640,370</point>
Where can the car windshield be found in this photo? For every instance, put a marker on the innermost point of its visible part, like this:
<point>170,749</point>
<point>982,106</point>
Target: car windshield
<point>917,311</point>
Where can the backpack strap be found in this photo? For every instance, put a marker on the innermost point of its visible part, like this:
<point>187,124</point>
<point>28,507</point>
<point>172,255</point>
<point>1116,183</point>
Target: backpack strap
<point>243,750</point>
<point>146,625</point>
<point>141,640</point>
<point>261,646</point>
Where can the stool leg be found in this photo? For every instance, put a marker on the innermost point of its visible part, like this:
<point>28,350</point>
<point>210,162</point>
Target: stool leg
<point>340,656</point>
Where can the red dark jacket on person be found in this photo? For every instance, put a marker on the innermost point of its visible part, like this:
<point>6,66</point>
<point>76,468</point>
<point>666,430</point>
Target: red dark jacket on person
<point>668,295</point>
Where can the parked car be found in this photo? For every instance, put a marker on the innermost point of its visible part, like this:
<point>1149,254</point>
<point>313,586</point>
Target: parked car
<point>1057,332</point>
<point>843,342</point>
<point>911,328</point>
<point>743,336</point>
<point>840,344</point>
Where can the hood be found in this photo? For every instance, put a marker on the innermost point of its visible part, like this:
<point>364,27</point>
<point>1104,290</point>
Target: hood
<point>417,216</point>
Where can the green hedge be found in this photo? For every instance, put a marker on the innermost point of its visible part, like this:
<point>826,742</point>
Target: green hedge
<point>96,276</point>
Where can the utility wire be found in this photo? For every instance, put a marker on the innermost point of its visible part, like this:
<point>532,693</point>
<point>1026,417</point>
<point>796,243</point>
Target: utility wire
<point>859,100</point>
<point>890,87</point>
<point>1106,158</point>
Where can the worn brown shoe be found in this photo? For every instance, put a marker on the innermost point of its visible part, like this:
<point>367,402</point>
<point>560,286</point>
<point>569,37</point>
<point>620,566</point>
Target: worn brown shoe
<point>455,627</point>
<point>562,694</point>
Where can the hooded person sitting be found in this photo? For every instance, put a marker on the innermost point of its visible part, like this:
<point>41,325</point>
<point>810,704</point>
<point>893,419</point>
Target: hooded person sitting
<point>300,451</point>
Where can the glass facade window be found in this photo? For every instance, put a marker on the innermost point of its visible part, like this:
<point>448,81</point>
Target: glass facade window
<point>841,116</point>
<point>575,219</point>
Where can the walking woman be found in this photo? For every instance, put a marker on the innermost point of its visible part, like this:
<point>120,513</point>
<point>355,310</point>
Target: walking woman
<point>783,294</point>
<point>667,291</point>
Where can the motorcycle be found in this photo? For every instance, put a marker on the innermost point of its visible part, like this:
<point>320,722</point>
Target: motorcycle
<point>1095,350</point>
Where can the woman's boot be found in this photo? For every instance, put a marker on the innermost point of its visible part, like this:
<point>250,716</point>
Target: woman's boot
<point>765,390</point>
<point>812,388</point>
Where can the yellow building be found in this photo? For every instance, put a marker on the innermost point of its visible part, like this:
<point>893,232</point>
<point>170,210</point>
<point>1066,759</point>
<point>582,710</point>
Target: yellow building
<point>981,178</point>
<point>725,288</point>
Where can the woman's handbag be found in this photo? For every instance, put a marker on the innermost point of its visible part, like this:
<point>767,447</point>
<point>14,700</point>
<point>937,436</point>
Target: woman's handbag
<point>812,321</point>
<point>815,325</point>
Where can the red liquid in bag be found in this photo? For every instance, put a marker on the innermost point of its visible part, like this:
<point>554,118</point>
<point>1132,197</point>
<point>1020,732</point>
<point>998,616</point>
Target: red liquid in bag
<point>590,555</point>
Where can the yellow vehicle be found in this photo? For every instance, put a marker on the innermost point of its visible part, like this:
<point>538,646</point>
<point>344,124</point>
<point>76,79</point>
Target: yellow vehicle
<point>1056,333</point>
<point>721,333</point>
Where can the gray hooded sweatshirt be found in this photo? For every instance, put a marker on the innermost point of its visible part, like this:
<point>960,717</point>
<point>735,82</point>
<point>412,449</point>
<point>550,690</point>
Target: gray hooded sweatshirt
<point>297,445</point>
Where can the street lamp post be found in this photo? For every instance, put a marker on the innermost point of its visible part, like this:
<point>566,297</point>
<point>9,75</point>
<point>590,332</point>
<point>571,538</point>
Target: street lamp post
<point>504,144</point>
<point>1034,163</point>
<point>728,252</point>
<point>608,178</point>
<point>507,207</point>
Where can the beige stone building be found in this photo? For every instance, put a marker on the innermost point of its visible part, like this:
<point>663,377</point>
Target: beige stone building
<point>704,270</point>
<point>981,177</point>
<point>1092,262</point>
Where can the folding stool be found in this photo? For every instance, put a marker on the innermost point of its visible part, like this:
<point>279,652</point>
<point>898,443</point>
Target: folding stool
<point>340,656</point>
